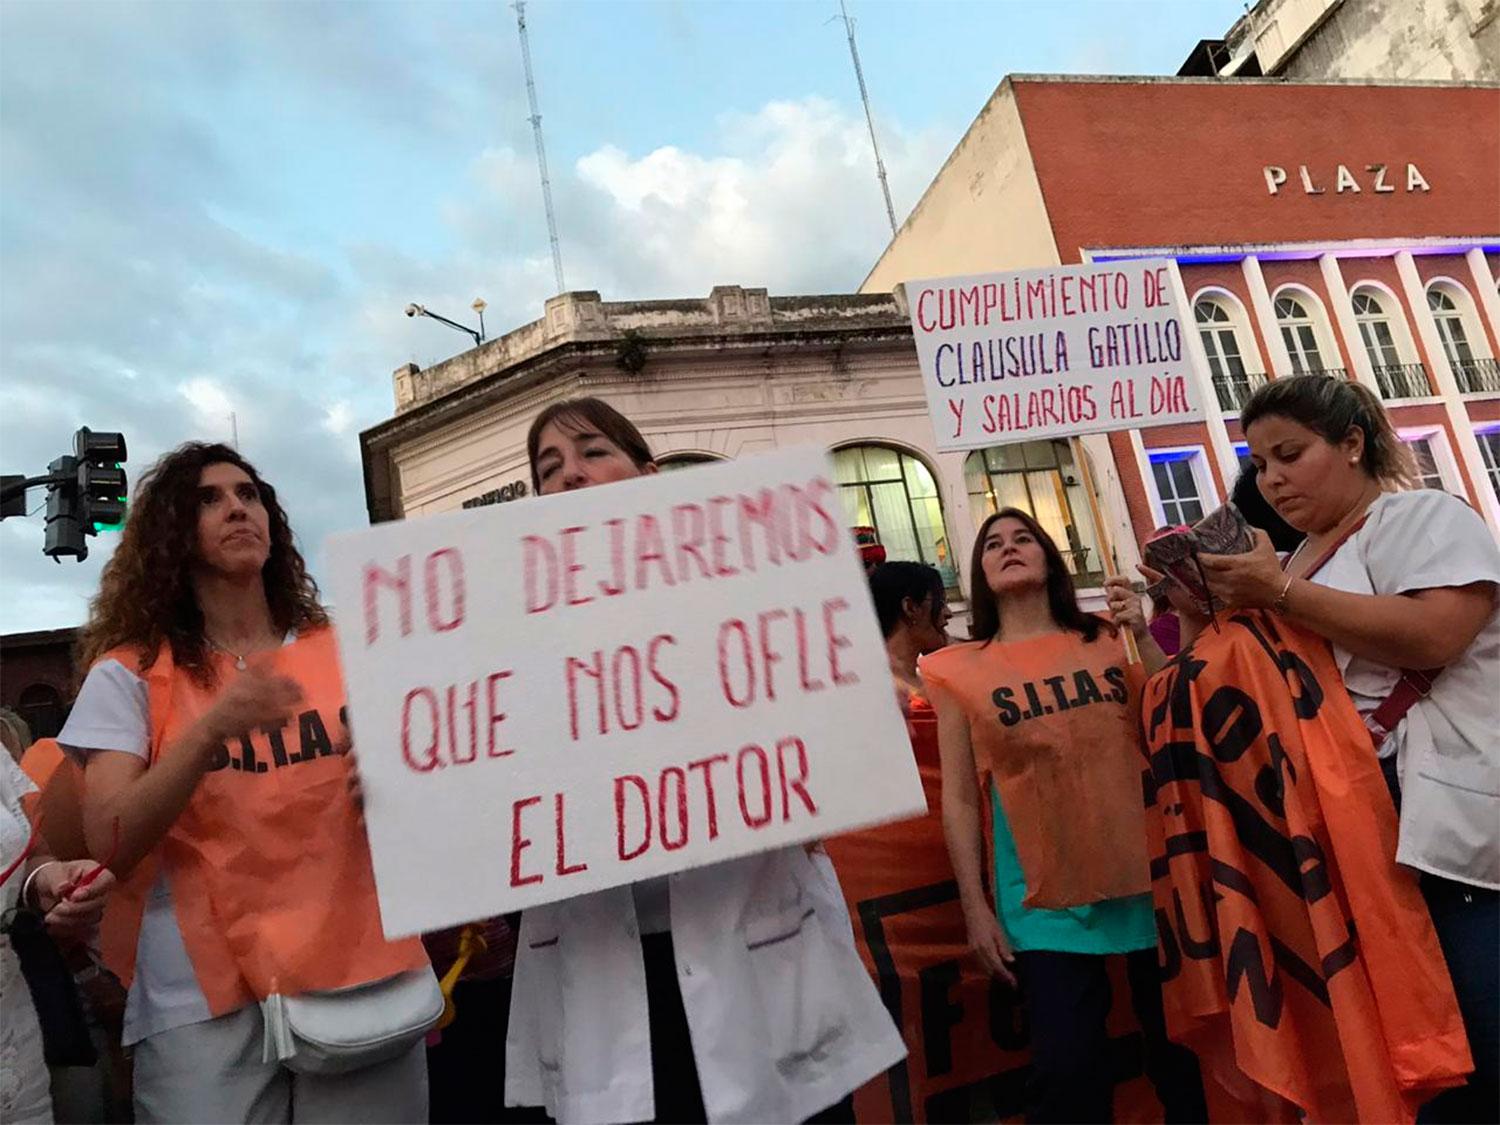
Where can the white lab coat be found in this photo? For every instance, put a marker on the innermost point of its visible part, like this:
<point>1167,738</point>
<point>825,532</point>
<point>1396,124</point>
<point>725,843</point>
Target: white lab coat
<point>784,1019</point>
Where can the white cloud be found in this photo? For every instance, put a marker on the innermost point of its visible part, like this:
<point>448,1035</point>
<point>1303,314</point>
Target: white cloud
<point>336,418</point>
<point>211,402</point>
<point>791,202</point>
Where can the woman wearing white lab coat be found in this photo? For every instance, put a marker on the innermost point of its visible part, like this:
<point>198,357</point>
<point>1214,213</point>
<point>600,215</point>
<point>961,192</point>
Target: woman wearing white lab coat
<point>726,993</point>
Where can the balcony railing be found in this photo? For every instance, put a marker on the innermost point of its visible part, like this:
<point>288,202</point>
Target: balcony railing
<point>1235,390</point>
<point>1475,375</point>
<point>1402,380</point>
<point>1331,372</point>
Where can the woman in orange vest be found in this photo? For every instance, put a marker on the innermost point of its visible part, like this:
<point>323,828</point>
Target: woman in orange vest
<point>1041,708</point>
<point>213,730</point>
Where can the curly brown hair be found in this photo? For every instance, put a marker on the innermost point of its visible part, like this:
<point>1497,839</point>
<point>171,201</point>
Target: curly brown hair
<point>146,592</point>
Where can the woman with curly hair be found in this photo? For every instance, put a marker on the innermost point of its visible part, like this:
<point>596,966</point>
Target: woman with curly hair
<point>212,728</point>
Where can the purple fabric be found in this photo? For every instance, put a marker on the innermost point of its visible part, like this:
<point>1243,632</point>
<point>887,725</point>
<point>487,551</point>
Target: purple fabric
<point>1168,632</point>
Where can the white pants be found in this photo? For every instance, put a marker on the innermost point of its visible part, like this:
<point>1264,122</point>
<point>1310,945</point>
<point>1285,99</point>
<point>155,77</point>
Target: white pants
<point>23,1072</point>
<point>212,1071</point>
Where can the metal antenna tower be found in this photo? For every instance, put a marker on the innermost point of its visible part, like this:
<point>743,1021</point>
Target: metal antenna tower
<point>864,96</point>
<point>541,151</point>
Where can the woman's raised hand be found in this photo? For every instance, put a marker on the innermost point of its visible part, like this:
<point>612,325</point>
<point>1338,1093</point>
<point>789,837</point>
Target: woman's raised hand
<point>255,698</point>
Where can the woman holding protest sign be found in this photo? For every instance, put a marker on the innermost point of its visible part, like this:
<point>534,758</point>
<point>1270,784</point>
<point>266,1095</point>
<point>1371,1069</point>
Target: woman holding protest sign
<point>723,993</point>
<point>211,724</point>
<point>1403,584</point>
<point>1041,708</point>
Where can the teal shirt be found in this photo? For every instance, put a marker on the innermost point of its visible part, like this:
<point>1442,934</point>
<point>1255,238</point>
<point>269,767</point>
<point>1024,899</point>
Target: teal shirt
<point>1118,925</point>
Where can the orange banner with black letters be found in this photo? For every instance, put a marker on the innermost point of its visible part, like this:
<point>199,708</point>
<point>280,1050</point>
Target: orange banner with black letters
<point>966,1034</point>
<point>1299,960</point>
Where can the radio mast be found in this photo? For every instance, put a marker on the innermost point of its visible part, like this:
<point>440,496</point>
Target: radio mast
<point>864,96</point>
<point>541,151</point>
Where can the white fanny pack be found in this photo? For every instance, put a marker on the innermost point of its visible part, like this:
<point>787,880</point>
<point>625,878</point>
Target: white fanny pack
<point>351,1028</point>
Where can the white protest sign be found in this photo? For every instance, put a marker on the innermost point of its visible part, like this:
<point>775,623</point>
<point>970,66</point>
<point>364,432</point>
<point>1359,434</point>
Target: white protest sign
<point>570,693</point>
<point>1054,352</point>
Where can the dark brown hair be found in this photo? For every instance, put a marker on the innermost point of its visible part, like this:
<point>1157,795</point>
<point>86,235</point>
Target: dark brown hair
<point>1330,407</point>
<point>588,414</point>
<point>1062,597</point>
<point>146,592</point>
<point>1258,511</point>
<point>891,583</point>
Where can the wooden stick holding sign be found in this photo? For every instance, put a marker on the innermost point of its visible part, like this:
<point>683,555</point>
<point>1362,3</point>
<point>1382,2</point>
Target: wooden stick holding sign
<point>1055,353</point>
<point>1101,529</point>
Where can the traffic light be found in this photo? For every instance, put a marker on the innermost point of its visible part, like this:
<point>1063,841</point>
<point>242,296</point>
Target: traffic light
<point>64,532</point>
<point>101,481</point>
<point>85,493</point>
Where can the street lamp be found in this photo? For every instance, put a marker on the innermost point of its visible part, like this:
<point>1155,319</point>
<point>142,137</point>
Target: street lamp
<point>479,307</point>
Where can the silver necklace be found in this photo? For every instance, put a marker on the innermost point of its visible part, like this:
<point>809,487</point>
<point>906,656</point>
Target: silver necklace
<point>239,660</point>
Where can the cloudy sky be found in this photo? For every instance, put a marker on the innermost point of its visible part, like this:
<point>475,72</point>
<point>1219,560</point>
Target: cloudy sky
<point>214,208</point>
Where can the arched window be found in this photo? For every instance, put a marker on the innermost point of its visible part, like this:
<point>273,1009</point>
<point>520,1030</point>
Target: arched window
<point>1221,344</point>
<point>41,706</point>
<point>895,493</point>
<point>1300,335</point>
<point>1038,477</point>
<point>1473,372</point>
<point>1376,332</point>
<point>669,462</point>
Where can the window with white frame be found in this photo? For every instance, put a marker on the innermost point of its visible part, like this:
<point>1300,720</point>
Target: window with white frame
<point>1378,335</point>
<point>1473,372</point>
<point>1375,330</point>
<point>1177,485</point>
<point>1428,473</point>
<point>1300,335</point>
<point>1489,449</point>
<point>1039,477</point>
<point>1450,326</point>
<point>1221,346</point>
<point>896,494</point>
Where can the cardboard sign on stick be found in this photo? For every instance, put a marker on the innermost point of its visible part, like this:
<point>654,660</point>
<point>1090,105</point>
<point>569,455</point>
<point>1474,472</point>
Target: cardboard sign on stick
<point>1054,352</point>
<point>567,694</point>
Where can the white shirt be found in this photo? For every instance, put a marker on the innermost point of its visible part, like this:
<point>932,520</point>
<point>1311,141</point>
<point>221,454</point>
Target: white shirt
<point>23,1070</point>
<point>783,1017</point>
<point>1448,745</point>
<point>111,713</point>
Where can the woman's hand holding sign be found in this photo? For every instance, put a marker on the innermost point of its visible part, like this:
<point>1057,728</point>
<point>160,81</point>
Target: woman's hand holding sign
<point>1128,611</point>
<point>1125,605</point>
